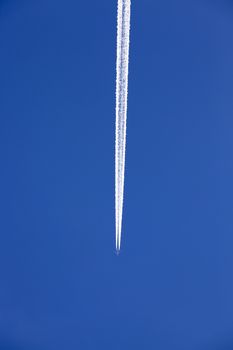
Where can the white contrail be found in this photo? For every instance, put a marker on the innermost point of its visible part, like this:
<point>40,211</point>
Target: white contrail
<point>123,28</point>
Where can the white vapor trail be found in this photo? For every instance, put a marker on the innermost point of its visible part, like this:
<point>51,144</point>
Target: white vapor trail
<point>122,64</point>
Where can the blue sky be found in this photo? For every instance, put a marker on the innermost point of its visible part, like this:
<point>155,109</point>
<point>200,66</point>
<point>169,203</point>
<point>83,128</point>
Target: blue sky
<point>61,284</point>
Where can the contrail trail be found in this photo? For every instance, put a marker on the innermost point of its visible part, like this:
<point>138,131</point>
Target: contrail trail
<point>122,64</point>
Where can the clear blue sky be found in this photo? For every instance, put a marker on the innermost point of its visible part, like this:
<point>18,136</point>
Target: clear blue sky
<point>61,284</point>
